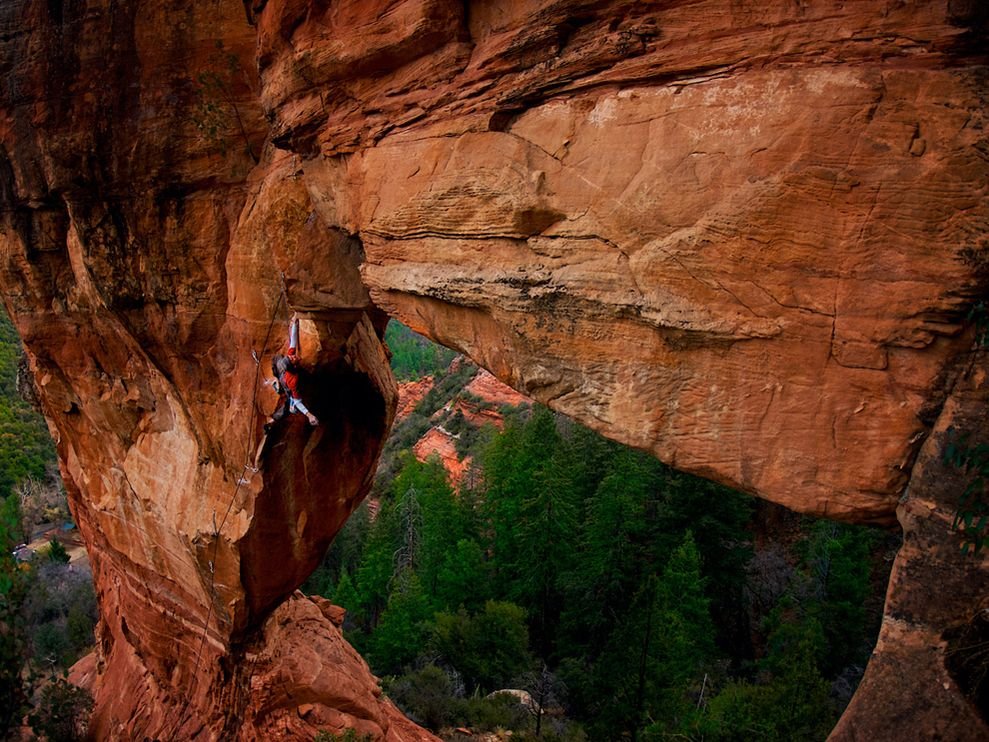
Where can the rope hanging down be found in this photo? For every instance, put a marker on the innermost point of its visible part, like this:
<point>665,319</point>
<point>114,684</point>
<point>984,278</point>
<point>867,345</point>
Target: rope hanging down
<point>241,480</point>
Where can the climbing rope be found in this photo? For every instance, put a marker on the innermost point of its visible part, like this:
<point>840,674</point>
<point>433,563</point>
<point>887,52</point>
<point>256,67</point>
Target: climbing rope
<point>241,480</point>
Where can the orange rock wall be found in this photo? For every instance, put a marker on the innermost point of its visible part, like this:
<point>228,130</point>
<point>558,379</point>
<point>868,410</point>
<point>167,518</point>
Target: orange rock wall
<point>733,235</point>
<point>146,221</point>
<point>410,394</point>
<point>741,235</point>
<point>439,442</point>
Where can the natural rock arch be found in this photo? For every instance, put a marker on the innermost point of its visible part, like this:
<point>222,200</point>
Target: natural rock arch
<point>742,236</point>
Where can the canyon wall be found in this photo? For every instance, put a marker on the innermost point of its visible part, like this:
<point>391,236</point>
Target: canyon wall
<point>744,236</point>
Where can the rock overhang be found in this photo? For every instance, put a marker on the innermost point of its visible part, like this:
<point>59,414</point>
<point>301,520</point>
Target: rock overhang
<point>743,237</point>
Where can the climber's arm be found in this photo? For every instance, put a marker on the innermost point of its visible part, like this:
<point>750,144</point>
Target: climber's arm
<point>293,336</point>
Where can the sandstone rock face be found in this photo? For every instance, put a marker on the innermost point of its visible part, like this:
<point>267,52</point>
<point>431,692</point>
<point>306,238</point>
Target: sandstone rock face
<point>410,394</point>
<point>440,443</point>
<point>141,260</point>
<point>734,264</point>
<point>744,236</point>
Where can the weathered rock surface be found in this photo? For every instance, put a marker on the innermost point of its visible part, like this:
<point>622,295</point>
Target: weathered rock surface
<point>141,254</point>
<point>439,442</point>
<point>491,393</point>
<point>410,394</point>
<point>743,236</point>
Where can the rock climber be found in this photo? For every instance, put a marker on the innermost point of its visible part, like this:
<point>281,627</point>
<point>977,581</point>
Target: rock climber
<point>286,370</point>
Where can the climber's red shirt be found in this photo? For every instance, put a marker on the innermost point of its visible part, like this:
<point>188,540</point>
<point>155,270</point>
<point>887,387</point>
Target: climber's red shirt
<point>290,377</point>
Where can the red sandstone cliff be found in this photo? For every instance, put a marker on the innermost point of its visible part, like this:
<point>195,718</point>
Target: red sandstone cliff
<point>743,236</point>
<point>410,394</point>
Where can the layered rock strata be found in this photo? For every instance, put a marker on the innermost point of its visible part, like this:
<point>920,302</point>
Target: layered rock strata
<point>743,236</point>
<point>152,242</point>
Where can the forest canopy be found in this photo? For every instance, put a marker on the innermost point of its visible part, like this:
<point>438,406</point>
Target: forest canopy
<point>26,448</point>
<point>626,599</point>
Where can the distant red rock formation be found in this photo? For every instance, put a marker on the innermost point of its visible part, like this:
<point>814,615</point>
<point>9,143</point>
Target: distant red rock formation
<point>493,391</point>
<point>479,403</point>
<point>438,442</point>
<point>410,394</point>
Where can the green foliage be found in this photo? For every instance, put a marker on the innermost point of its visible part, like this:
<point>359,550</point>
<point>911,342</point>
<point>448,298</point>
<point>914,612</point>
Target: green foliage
<point>615,546</point>
<point>838,559</point>
<point>13,591</point>
<point>59,613</point>
<point>790,702</point>
<point>50,644</point>
<point>717,517</point>
<point>532,505</point>
<point>412,355</point>
<point>57,552</point>
<point>488,648</point>
<point>625,581</point>
<point>439,532</point>
<point>26,448</point>
<point>431,696</point>
<point>40,620</point>
<point>972,514</point>
<point>403,628</point>
<point>377,565</point>
<point>490,713</point>
<point>345,594</point>
<point>62,713</point>
<point>348,735</point>
<point>468,435</point>
<point>658,651</point>
<point>463,578</point>
<point>426,696</point>
<point>623,577</point>
<point>342,558</point>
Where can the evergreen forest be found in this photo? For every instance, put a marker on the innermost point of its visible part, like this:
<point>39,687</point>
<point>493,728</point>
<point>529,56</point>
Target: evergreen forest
<point>47,605</point>
<point>26,449</point>
<point>574,589</point>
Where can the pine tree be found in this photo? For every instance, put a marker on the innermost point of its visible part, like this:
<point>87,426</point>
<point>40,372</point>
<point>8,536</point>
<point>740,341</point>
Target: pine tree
<point>378,564</point>
<point>463,579</point>
<point>658,652</point>
<point>546,533</point>
<point>403,628</point>
<point>717,517</point>
<point>442,524</point>
<point>506,478</point>
<point>612,551</point>
<point>838,557</point>
<point>346,596</point>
